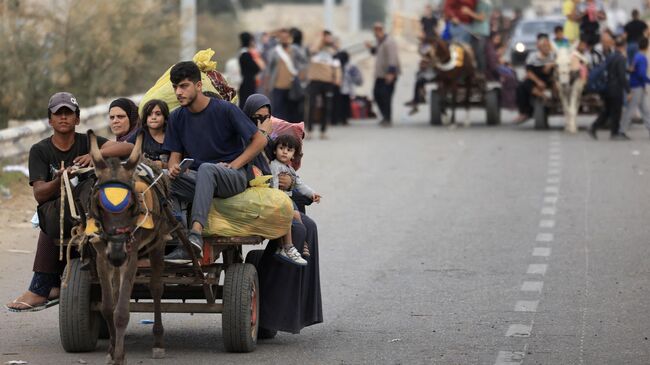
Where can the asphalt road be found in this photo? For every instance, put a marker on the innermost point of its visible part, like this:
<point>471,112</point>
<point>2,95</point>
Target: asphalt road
<point>477,245</point>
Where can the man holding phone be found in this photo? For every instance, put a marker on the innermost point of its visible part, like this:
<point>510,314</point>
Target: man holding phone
<point>220,139</point>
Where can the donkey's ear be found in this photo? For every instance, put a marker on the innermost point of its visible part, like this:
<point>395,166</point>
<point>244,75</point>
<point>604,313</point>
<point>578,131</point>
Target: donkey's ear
<point>95,154</point>
<point>136,153</point>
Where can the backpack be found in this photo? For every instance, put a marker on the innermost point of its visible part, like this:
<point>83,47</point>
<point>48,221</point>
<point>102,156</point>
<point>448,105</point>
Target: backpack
<point>597,79</point>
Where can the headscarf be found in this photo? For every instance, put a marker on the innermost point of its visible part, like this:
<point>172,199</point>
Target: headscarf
<point>254,103</point>
<point>131,112</point>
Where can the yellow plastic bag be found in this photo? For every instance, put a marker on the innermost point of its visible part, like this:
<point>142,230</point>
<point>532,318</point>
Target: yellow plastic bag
<point>163,89</point>
<point>258,211</point>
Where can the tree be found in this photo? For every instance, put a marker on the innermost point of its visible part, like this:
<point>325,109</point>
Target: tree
<point>90,48</point>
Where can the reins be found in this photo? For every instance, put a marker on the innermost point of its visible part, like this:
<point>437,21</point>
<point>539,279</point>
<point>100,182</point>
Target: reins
<point>79,237</point>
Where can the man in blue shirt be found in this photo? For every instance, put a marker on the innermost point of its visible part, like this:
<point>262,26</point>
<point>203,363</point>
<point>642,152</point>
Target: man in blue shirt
<point>221,140</point>
<point>638,97</point>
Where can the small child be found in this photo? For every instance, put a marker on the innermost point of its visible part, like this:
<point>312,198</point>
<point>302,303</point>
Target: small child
<point>286,148</point>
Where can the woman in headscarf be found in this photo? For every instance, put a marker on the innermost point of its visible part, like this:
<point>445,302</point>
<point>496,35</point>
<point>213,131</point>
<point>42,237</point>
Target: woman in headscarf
<point>123,119</point>
<point>290,297</point>
<point>250,64</point>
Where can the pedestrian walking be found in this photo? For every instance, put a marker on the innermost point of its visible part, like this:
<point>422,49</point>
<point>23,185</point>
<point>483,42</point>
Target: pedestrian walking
<point>285,66</point>
<point>638,98</point>
<point>617,87</point>
<point>324,76</point>
<point>250,65</point>
<point>351,77</point>
<point>635,29</point>
<point>387,69</point>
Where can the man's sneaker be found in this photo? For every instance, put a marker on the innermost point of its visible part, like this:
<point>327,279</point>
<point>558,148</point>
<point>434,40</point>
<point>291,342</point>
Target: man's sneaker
<point>291,255</point>
<point>180,256</point>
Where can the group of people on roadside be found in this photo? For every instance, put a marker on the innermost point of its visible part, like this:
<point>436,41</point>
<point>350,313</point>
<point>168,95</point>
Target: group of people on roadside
<point>227,143</point>
<point>313,84</point>
<point>613,65</point>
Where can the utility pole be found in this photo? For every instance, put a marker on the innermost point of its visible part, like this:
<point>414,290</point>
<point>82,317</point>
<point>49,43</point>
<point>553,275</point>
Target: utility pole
<point>355,16</point>
<point>329,14</point>
<point>188,29</point>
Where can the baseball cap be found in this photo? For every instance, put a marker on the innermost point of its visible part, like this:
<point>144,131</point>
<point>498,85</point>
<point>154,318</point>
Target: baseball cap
<point>62,99</point>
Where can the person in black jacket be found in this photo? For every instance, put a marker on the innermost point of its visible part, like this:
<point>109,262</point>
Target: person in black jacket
<point>617,88</point>
<point>250,65</point>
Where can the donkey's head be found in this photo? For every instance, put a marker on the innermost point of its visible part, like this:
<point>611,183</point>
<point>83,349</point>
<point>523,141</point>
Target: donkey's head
<point>114,204</point>
<point>439,51</point>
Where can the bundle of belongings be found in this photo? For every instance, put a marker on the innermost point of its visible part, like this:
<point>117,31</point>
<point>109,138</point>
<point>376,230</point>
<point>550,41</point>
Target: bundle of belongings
<point>213,82</point>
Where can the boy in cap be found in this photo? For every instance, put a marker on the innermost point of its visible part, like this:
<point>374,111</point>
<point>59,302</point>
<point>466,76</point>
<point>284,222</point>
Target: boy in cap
<point>45,158</point>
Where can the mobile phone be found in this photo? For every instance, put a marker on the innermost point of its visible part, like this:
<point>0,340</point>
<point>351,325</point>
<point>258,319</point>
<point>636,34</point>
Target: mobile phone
<point>185,164</point>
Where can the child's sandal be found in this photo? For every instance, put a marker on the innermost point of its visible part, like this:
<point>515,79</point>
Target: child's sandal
<point>305,250</point>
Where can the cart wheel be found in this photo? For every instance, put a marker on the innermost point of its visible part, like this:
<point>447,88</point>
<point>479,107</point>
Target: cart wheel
<point>254,257</point>
<point>492,107</point>
<point>240,308</point>
<point>78,325</point>
<point>435,105</point>
<point>540,114</point>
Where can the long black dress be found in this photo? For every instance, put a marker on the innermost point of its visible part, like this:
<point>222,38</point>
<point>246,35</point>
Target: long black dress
<point>290,297</point>
<point>249,70</point>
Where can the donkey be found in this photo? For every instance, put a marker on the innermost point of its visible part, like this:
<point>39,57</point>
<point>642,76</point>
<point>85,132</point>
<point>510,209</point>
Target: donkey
<point>570,80</point>
<point>454,65</point>
<point>126,231</point>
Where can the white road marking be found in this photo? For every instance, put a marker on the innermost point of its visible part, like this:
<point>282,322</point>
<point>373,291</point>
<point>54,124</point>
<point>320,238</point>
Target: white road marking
<point>519,330</point>
<point>553,180</point>
<point>542,251</point>
<point>544,237</point>
<point>546,223</point>
<point>526,305</point>
<point>548,210</point>
<point>555,157</point>
<point>550,199</point>
<point>537,269</point>
<point>552,189</point>
<point>509,357</point>
<point>532,286</point>
<point>554,164</point>
<point>553,171</point>
<point>554,150</point>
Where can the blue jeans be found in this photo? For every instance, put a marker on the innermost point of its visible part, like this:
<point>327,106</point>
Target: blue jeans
<point>459,33</point>
<point>43,282</point>
<point>632,49</point>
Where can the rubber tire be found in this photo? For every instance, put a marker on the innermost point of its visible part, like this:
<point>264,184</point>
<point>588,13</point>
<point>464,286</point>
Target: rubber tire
<point>540,115</point>
<point>435,108</point>
<point>236,327</point>
<point>254,257</point>
<point>492,107</point>
<point>78,325</point>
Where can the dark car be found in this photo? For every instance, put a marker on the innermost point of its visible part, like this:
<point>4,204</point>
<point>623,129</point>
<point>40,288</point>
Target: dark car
<point>524,38</point>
